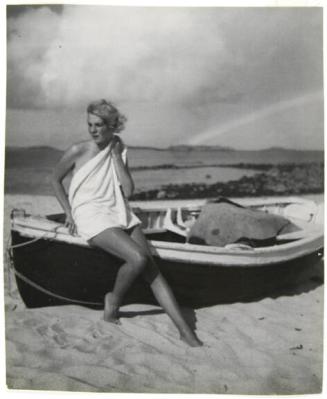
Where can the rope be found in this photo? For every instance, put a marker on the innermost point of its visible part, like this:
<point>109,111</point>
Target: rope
<point>57,296</point>
<point>9,262</point>
<point>31,283</point>
<point>23,244</point>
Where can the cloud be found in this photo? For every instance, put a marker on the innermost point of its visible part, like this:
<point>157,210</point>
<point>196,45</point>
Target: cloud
<point>133,54</point>
<point>30,35</point>
<point>181,55</point>
<point>178,73</point>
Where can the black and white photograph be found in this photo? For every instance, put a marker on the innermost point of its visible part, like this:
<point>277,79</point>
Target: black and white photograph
<point>164,199</point>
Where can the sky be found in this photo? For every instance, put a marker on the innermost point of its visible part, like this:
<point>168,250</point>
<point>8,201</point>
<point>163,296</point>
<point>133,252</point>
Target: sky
<point>247,78</point>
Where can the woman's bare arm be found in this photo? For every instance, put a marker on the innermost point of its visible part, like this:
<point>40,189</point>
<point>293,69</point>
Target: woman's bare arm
<point>122,169</point>
<point>64,166</point>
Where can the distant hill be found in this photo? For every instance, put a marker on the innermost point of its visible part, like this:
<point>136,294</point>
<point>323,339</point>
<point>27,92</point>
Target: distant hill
<point>144,147</point>
<point>47,157</point>
<point>276,149</point>
<point>43,156</point>
<point>184,147</point>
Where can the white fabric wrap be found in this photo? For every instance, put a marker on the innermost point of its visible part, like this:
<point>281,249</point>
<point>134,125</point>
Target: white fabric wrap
<point>96,197</point>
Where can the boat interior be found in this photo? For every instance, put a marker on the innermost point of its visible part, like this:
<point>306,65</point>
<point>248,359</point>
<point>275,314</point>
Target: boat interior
<point>173,224</point>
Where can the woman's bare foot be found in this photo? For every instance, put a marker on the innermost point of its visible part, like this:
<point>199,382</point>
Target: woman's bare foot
<point>111,309</point>
<point>191,339</point>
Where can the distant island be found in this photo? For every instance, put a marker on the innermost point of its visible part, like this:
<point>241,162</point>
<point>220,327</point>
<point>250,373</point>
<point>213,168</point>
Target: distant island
<point>179,147</point>
<point>46,156</point>
<point>276,180</point>
<point>186,148</point>
<point>277,170</point>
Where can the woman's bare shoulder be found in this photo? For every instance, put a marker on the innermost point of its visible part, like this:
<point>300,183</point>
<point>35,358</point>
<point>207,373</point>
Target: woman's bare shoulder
<point>74,153</point>
<point>80,147</point>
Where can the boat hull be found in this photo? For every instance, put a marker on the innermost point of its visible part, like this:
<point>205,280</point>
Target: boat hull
<point>51,273</point>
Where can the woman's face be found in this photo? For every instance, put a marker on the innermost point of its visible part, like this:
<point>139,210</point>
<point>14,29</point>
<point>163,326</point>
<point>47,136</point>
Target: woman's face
<point>100,132</point>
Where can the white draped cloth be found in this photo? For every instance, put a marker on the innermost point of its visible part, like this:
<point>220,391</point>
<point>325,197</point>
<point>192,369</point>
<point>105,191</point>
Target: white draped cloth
<point>96,197</point>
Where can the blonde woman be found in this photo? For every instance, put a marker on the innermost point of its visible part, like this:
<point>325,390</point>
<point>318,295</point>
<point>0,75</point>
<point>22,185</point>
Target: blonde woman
<point>97,209</point>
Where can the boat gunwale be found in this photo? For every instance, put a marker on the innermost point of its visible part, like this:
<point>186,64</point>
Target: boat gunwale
<point>245,201</point>
<point>184,247</point>
<point>221,257</point>
<point>184,252</point>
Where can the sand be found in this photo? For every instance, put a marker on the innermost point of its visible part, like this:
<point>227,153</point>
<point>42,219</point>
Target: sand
<point>270,346</point>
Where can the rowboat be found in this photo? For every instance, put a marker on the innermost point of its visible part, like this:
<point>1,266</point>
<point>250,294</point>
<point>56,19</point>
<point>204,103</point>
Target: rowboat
<point>53,267</point>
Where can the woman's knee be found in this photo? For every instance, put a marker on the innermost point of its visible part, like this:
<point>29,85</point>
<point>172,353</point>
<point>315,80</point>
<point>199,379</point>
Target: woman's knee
<point>139,261</point>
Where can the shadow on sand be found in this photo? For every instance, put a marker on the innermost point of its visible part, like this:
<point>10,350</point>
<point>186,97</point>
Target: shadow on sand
<point>240,284</point>
<point>247,285</point>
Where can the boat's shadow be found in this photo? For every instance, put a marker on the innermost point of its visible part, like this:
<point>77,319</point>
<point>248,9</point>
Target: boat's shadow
<point>197,286</point>
<point>238,284</point>
<point>249,285</point>
<point>132,313</point>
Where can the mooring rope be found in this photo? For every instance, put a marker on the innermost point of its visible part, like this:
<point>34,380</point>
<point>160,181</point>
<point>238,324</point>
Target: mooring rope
<point>57,296</point>
<point>23,244</point>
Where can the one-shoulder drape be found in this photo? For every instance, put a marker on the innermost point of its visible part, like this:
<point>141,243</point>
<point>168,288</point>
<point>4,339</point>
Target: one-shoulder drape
<point>96,197</point>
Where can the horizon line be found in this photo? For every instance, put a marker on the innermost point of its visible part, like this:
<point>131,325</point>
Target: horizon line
<point>213,146</point>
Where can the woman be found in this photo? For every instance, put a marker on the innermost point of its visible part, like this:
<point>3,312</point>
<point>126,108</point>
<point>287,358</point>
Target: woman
<point>98,210</point>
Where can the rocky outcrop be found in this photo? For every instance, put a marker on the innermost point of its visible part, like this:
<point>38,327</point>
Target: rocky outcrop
<point>284,179</point>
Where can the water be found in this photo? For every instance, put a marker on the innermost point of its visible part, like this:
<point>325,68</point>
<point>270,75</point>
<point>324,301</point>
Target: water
<point>28,170</point>
<point>150,157</point>
<point>150,179</point>
<point>37,180</point>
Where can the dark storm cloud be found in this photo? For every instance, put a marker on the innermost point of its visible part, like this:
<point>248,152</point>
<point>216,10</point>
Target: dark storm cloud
<point>16,10</point>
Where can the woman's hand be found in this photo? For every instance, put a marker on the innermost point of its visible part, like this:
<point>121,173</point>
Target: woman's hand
<point>117,145</point>
<point>121,166</point>
<point>71,225</point>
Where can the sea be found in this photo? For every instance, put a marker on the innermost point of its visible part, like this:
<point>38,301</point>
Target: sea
<point>28,169</point>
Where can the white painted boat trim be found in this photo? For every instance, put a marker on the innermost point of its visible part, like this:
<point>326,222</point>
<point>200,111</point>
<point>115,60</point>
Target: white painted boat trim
<point>305,241</point>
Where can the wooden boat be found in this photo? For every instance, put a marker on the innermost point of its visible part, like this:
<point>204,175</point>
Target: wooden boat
<point>52,267</point>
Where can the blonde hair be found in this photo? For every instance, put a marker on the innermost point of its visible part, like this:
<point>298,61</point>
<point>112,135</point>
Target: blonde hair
<point>109,113</point>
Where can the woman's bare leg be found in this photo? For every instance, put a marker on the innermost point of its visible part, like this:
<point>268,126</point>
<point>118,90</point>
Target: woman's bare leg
<point>163,293</point>
<point>119,243</point>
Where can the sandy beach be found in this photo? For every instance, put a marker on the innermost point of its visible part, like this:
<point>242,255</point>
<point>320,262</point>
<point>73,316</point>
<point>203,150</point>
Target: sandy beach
<point>270,346</point>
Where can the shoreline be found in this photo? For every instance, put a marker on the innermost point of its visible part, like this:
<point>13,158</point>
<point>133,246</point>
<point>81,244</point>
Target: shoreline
<point>288,179</point>
<point>240,165</point>
<point>272,180</point>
